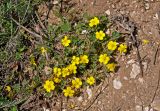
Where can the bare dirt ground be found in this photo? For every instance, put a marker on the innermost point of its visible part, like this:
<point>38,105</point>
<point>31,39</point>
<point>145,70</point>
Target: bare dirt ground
<point>125,91</point>
<point>138,93</point>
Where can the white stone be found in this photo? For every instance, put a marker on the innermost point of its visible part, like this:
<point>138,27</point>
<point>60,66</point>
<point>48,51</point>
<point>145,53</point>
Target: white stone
<point>147,6</point>
<point>138,108</point>
<point>55,2</point>
<point>108,31</point>
<point>117,84</point>
<point>80,99</point>
<point>145,66</point>
<point>156,16</point>
<point>131,61</point>
<point>148,109</point>
<point>135,71</point>
<point>108,12</point>
<point>141,80</point>
<point>99,102</point>
<point>125,78</point>
<point>84,32</point>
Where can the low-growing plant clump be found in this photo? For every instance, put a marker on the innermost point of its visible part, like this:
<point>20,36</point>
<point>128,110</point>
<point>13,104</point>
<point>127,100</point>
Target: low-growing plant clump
<point>86,54</point>
<point>68,57</point>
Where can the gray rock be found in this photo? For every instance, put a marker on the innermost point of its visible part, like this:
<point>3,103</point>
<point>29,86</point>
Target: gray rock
<point>135,71</point>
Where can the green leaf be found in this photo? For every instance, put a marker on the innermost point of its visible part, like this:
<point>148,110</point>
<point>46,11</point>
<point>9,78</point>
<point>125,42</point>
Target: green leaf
<point>14,108</point>
<point>116,35</point>
<point>18,56</point>
<point>80,51</point>
<point>66,27</point>
<point>103,18</point>
<point>22,49</point>
<point>37,79</point>
<point>92,37</point>
<point>16,87</point>
<point>75,40</point>
<point>3,100</point>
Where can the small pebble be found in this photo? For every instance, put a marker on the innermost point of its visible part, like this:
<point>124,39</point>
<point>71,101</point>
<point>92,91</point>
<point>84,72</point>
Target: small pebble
<point>99,102</point>
<point>117,84</point>
<point>141,80</point>
<point>80,99</point>
<point>55,2</point>
<point>84,32</point>
<point>131,61</point>
<point>125,78</point>
<point>145,66</point>
<point>147,6</point>
<point>156,16</point>
<point>138,108</point>
<point>108,12</point>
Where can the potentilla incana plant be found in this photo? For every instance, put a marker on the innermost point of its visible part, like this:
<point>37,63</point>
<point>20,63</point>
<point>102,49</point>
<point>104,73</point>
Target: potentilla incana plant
<point>87,52</point>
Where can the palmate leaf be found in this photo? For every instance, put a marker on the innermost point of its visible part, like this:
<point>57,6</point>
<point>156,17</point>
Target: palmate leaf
<point>66,26</point>
<point>14,108</point>
<point>6,103</point>
<point>116,35</point>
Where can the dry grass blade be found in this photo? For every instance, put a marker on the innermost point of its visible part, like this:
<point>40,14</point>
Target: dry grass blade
<point>30,32</point>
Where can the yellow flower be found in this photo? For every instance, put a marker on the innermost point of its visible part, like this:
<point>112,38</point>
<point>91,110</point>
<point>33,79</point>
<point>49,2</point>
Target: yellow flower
<point>49,85</point>
<point>65,41</point>
<point>93,22</point>
<point>32,61</point>
<point>103,58</point>
<point>145,41</point>
<point>100,35</point>
<point>111,67</point>
<point>122,48</point>
<point>65,72</point>
<point>77,83</point>
<point>75,60</point>
<point>43,50</point>
<point>72,106</point>
<point>8,88</point>
<point>112,45</point>
<point>72,68</point>
<point>57,71</point>
<point>84,59</point>
<point>91,80</point>
<point>68,92</point>
<point>56,80</point>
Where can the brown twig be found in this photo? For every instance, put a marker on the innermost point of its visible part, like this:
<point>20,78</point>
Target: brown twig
<point>92,102</point>
<point>50,6</point>
<point>155,92</point>
<point>61,104</point>
<point>61,7</point>
<point>40,22</point>
<point>155,55</point>
<point>139,60</point>
<point>44,29</point>
<point>32,33</point>
<point>138,95</point>
<point>130,26</point>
